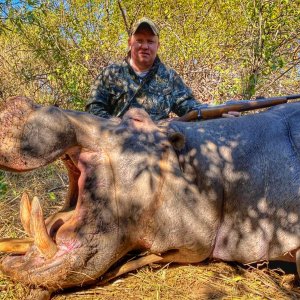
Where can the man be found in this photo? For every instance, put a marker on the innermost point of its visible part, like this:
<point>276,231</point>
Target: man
<point>142,81</point>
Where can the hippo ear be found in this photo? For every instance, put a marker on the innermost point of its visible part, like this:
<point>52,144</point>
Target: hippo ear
<point>177,140</point>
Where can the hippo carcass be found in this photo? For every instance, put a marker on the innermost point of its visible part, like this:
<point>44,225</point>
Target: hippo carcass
<point>225,188</point>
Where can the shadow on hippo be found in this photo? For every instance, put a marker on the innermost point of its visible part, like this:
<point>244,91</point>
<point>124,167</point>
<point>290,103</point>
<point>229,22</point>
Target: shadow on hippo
<point>183,192</point>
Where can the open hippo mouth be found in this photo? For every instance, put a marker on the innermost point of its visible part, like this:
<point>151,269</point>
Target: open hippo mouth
<point>67,248</point>
<point>58,249</point>
<point>91,232</point>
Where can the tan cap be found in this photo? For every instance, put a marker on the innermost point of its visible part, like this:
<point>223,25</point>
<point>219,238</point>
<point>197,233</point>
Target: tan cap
<point>145,21</point>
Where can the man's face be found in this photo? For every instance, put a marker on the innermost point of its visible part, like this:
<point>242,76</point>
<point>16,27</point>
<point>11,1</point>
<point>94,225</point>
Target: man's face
<point>143,45</point>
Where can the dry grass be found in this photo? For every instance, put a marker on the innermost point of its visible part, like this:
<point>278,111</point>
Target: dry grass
<point>208,280</point>
<point>215,280</point>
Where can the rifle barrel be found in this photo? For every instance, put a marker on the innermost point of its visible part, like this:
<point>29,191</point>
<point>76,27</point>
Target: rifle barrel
<point>291,97</point>
<point>217,111</point>
<point>242,105</point>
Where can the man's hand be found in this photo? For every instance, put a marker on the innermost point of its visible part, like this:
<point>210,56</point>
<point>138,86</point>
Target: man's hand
<point>231,114</point>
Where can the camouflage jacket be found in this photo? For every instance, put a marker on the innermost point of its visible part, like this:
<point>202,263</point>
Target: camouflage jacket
<point>160,92</point>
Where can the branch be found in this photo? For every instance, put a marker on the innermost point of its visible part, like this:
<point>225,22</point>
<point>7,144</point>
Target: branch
<point>124,17</point>
<point>282,74</point>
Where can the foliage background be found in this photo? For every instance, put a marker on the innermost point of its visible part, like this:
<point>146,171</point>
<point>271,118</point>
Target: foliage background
<point>52,51</point>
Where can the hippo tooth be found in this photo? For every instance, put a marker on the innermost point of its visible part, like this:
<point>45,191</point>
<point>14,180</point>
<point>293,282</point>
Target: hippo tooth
<point>38,229</point>
<point>25,209</point>
<point>16,246</point>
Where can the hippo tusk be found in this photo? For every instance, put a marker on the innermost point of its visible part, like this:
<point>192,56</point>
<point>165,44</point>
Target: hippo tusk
<point>15,246</point>
<point>25,209</point>
<point>42,240</point>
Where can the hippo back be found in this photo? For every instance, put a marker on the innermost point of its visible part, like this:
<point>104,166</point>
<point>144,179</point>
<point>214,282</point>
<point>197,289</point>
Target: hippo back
<point>254,159</point>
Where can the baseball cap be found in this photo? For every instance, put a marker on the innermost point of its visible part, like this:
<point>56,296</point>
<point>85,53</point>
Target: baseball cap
<point>144,21</point>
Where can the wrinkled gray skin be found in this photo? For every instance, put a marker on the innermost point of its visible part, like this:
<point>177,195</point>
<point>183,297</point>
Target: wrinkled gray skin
<point>231,191</point>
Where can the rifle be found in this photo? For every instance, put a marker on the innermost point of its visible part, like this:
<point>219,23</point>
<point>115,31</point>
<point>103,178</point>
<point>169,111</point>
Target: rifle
<point>243,105</point>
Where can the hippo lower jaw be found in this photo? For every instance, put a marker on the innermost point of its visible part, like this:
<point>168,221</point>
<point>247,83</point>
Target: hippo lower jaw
<point>44,265</point>
<point>37,271</point>
<point>53,248</point>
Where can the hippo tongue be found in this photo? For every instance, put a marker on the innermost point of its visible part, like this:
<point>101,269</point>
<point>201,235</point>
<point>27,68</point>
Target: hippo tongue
<point>34,224</point>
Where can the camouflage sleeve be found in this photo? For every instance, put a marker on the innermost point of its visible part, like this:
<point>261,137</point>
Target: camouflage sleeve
<point>99,102</point>
<point>184,98</point>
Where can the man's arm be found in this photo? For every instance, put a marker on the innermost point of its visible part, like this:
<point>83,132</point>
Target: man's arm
<point>99,102</point>
<point>184,98</point>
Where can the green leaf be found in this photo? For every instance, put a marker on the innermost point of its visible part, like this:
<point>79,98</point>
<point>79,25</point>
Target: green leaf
<point>52,196</point>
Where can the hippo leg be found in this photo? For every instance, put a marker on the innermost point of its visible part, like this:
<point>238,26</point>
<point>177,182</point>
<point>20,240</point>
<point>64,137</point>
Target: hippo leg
<point>182,256</point>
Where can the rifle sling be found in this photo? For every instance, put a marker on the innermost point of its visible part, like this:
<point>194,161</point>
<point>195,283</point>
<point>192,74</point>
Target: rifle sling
<point>146,79</point>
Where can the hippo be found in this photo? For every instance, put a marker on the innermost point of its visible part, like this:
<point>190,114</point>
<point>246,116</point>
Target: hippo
<point>226,188</point>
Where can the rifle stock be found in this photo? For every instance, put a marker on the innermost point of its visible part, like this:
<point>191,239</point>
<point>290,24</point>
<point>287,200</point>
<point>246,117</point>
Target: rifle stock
<point>243,105</point>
